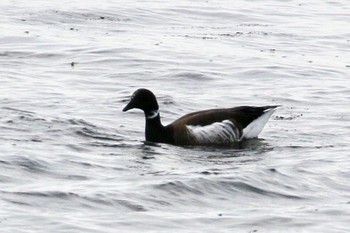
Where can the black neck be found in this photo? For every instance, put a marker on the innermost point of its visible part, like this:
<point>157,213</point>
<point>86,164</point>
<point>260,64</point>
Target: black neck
<point>155,131</point>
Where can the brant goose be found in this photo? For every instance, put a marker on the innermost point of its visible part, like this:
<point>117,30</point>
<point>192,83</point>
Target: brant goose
<point>215,126</point>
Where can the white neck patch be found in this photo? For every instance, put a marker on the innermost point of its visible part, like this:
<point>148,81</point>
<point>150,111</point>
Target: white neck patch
<point>153,114</point>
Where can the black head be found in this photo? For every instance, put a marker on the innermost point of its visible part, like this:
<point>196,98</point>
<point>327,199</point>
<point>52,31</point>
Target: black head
<point>142,99</point>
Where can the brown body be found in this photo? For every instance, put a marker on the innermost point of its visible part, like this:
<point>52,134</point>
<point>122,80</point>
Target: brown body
<point>239,116</point>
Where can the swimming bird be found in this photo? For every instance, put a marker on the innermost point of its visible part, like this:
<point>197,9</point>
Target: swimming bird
<point>214,126</point>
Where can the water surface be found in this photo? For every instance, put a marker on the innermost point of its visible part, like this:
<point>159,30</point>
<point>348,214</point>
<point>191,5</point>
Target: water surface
<point>72,161</point>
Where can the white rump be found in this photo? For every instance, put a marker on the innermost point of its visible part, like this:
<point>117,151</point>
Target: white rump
<point>256,126</point>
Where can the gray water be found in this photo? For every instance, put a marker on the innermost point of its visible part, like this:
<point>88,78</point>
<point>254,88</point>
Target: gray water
<point>72,161</point>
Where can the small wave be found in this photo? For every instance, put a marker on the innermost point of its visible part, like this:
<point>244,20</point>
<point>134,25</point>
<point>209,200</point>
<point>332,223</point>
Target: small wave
<point>90,130</point>
<point>30,164</point>
<point>95,136</point>
<point>80,122</point>
<point>44,198</point>
<point>222,187</point>
<point>18,111</point>
<point>191,76</point>
<point>179,187</point>
<point>86,132</point>
<point>243,186</point>
<point>110,145</point>
<point>166,100</point>
<point>57,16</point>
<point>54,194</point>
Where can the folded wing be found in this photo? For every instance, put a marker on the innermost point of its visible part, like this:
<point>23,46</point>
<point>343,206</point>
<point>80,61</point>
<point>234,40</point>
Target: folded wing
<point>220,126</point>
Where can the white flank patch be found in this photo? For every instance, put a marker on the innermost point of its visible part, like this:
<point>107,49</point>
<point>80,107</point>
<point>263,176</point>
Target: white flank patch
<point>216,133</point>
<point>256,126</point>
<point>153,114</point>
